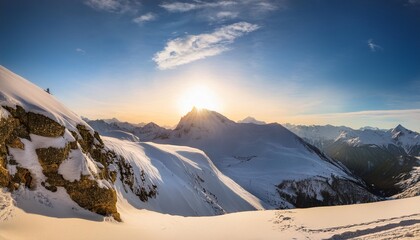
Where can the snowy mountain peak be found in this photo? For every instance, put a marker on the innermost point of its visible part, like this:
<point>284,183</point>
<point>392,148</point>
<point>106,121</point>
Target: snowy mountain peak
<point>203,119</point>
<point>151,125</point>
<point>400,129</point>
<point>251,120</point>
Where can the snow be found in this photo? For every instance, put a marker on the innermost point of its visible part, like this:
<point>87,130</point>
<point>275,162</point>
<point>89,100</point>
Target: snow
<point>128,131</point>
<point>252,120</point>
<point>316,132</point>
<point>15,90</point>
<point>28,158</point>
<point>77,164</point>
<point>47,219</point>
<point>121,135</point>
<point>4,113</point>
<point>187,182</point>
<point>257,157</point>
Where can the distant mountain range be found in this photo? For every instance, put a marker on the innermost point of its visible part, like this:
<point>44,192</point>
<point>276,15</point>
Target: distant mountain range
<point>269,161</point>
<point>388,160</point>
<point>127,131</point>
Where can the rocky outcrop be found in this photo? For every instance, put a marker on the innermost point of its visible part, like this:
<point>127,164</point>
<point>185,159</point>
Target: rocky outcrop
<point>321,191</point>
<point>92,191</point>
<point>139,187</point>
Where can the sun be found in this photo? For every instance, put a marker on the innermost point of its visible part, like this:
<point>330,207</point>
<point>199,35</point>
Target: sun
<point>200,97</point>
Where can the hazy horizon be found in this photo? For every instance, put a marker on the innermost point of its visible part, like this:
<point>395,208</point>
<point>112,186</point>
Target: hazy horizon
<point>300,62</point>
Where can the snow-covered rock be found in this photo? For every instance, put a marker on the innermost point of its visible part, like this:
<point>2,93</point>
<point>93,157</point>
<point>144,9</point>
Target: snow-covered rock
<point>48,149</point>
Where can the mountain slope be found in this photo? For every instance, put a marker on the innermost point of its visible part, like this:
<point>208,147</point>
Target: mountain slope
<point>269,161</point>
<point>127,131</point>
<point>385,159</point>
<point>176,180</point>
<point>48,154</point>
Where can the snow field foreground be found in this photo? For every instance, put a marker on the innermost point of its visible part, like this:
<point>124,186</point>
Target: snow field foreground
<point>186,181</point>
<point>394,219</point>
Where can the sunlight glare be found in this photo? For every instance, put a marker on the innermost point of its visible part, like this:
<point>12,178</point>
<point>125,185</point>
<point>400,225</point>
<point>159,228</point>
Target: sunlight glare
<point>200,97</point>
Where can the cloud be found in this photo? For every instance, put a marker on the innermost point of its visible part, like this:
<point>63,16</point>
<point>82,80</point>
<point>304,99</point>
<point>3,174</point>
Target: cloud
<point>185,7</point>
<point>377,113</point>
<point>226,15</point>
<point>145,18</point>
<point>373,47</point>
<point>194,47</point>
<point>114,6</point>
<point>414,2</point>
<point>224,10</point>
<point>81,51</point>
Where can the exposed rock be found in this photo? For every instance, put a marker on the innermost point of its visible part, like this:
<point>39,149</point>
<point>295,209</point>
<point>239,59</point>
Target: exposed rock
<point>51,158</point>
<point>129,180</point>
<point>22,177</point>
<point>16,143</point>
<point>334,191</point>
<point>88,194</point>
<point>37,123</point>
<point>40,125</point>
<point>87,140</point>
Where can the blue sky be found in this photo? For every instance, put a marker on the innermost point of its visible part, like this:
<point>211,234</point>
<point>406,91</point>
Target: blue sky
<point>352,63</point>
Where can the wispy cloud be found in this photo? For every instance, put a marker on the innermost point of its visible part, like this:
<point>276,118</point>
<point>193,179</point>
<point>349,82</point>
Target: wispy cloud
<point>414,2</point>
<point>222,10</point>
<point>226,15</point>
<point>145,18</point>
<point>373,46</point>
<point>194,47</point>
<point>377,113</point>
<point>81,51</point>
<point>115,6</point>
<point>185,7</point>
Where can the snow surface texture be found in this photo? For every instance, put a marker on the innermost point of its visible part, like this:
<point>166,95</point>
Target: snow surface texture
<point>15,90</point>
<point>187,182</point>
<point>44,220</point>
<point>258,157</point>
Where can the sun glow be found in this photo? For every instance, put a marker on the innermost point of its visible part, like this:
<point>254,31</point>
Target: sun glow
<point>200,97</point>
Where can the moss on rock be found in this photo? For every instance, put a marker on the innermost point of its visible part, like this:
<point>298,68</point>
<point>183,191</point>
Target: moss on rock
<point>51,158</point>
<point>41,125</point>
<point>88,194</point>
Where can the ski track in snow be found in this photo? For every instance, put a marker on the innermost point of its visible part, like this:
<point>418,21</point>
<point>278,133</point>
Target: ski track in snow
<point>401,227</point>
<point>6,206</point>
